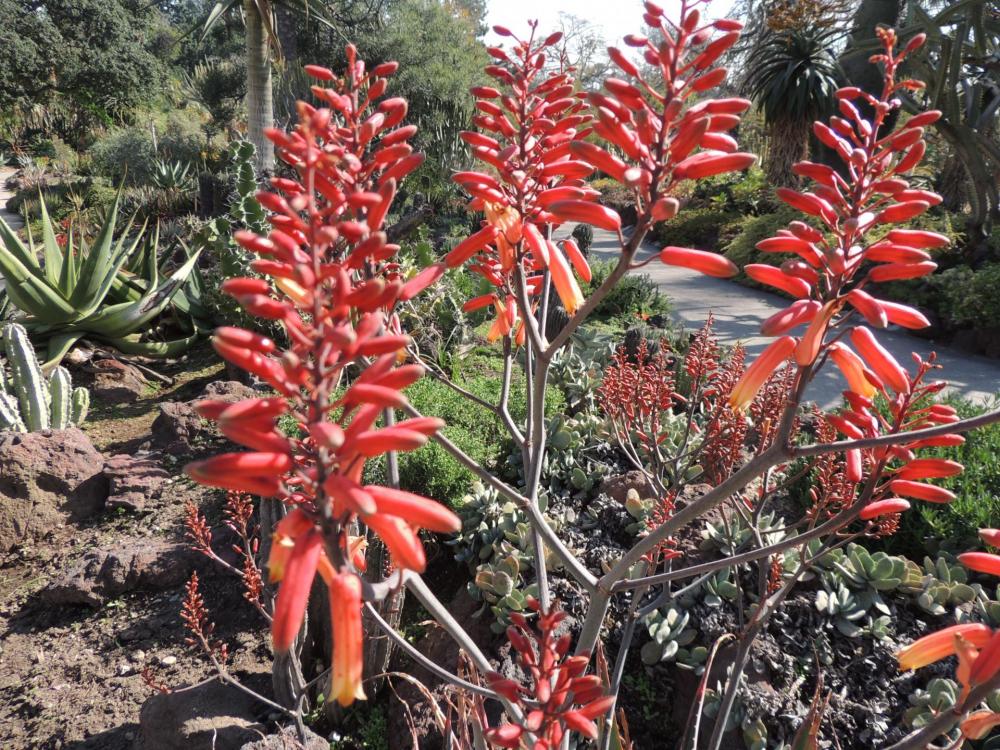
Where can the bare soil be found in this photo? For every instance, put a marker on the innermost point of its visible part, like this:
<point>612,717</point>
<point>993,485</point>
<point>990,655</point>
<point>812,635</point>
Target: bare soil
<point>71,676</point>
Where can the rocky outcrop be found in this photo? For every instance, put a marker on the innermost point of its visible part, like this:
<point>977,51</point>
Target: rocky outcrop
<point>47,478</point>
<point>133,564</point>
<point>206,716</point>
<point>178,429</point>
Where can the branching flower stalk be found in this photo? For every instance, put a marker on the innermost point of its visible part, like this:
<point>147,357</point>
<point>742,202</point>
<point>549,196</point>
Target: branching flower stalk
<point>335,288</point>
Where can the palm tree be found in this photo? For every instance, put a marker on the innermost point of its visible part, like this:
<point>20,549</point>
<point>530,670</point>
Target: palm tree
<point>793,76</point>
<point>264,31</point>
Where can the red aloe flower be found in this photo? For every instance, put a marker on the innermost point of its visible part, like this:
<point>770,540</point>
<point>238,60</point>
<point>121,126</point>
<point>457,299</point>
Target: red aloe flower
<point>836,259</point>
<point>334,288</point>
<point>561,698</point>
<point>663,131</point>
<point>527,126</point>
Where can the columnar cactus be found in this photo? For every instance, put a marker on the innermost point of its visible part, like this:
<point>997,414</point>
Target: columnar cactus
<point>29,403</point>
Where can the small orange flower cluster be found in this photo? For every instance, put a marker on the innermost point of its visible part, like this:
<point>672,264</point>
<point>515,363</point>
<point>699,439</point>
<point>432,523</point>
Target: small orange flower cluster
<point>331,281</point>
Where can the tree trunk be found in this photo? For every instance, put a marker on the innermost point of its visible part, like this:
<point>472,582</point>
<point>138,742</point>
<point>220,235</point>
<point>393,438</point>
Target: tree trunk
<point>952,183</point>
<point>787,143</point>
<point>260,105</point>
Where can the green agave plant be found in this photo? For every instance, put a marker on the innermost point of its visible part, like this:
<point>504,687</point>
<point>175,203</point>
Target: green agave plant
<point>82,290</point>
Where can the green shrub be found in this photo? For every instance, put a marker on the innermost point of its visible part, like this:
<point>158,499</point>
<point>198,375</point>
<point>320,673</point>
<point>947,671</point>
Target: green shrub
<point>431,471</point>
<point>635,294</point>
<point>128,152</point>
<point>929,528</point>
<point>701,228</point>
<point>968,298</point>
<point>614,195</point>
<point>742,192</point>
<point>742,249</point>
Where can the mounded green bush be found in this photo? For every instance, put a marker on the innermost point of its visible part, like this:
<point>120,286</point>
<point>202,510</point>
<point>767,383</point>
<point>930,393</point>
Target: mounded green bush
<point>705,228</point>
<point>431,470</point>
<point>742,248</point>
<point>967,298</point>
<point>633,295</point>
<point>954,527</point>
<point>128,152</point>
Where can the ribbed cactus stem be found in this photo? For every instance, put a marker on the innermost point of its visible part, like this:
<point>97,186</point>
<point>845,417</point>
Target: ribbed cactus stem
<point>80,405</point>
<point>10,415</point>
<point>27,379</point>
<point>61,396</point>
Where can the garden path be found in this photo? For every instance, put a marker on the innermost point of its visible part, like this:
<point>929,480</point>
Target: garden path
<point>13,219</point>
<point>739,311</point>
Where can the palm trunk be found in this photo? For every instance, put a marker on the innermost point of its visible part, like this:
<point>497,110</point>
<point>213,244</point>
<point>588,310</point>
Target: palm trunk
<point>787,143</point>
<point>260,105</point>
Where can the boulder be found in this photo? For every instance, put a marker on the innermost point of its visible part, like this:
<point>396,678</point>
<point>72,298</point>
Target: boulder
<point>104,574</point>
<point>178,428</point>
<point>133,481</point>
<point>47,478</point>
<point>116,382</point>
<point>206,716</point>
<point>619,485</point>
<point>288,739</point>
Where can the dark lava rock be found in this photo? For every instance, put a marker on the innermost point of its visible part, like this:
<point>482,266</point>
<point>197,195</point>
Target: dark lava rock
<point>104,574</point>
<point>133,481</point>
<point>45,479</point>
<point>206,716</point>
<point>178,428</point>
<point>116,382</point>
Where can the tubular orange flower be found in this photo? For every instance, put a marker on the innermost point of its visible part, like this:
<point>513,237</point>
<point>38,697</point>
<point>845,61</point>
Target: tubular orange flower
<point>298,572</point>
<point>708,164</point>
<point>563,280</point>
<point>918,238</point>
<point>872,309</point>
<point>987,664</point>
<point>414,509</point>
<point>809,347</point>
<point>977,725</point>
<point>775,277</point>
<point>941,644</point>
<point>883,508</point>
<point>920,491</point>
<point>799,312</point>
<point>345,615</point>
<point>930,468</point>
<point>757,374</point>
<point>990,536</point>
<point>587,213</point>
<point>470,246</point>
<point>711,264</point>
<point>904,316</point>
<point>981,562</point>
<point>853,368</point>
<point>881,361</point>
<point>577,259</point>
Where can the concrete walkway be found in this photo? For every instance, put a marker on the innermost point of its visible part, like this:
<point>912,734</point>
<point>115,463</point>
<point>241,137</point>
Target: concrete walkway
<point>13,219</point>
<point>740,310</point>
